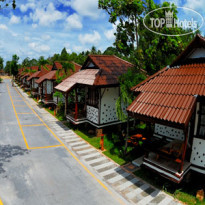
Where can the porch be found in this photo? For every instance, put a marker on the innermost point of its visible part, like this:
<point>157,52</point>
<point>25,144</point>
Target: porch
<point>34,91</point>
<point>47,99</point>
<point>165,150</point>
<point>166,167</point>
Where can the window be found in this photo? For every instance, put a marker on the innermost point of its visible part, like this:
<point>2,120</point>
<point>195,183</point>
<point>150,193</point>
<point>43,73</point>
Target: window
<point>93,97</point>
<point>202,121</point>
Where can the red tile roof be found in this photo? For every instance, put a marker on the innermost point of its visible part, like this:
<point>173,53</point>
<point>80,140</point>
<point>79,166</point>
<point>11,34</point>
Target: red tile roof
<point>48,76</point>
<point>44,69</point>
<point>170,95</point>
<point>52,74</point>
<point>57,65</point>
<point>110,68</point>
<point>106,70</point>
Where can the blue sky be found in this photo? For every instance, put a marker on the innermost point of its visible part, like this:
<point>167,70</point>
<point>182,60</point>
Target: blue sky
<point>44,27</point>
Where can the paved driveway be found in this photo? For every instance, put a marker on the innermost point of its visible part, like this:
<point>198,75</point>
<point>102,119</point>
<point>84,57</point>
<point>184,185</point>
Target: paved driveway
<point>35,166</point>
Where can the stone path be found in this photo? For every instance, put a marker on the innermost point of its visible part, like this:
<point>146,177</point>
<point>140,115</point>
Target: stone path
<point>133,189</point>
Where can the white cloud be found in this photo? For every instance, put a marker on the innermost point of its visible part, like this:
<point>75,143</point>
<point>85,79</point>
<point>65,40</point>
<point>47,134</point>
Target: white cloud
<point>27,38</point>
<point>47,16</point>
<point>34,25</point>
<point>25,19</point>
<point>45,37</point>
<point>65,2</point>
<point>86,8</point>
<point>73,21</point>
<point>14,19</point>
<point>196,5</point>
<point>29,5</point>
<point>3,27</point>
<point>90,38</point>
<point>39,47</point>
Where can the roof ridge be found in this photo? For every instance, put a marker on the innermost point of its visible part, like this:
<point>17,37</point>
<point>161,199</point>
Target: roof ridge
<point>76,63</point>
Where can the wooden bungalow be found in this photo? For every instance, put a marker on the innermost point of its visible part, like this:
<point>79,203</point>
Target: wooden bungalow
<point>92,92</point>
<point>173,100</point>
<point>19,75</point>
<point>26,73</point>
<point>47,82</point>
<point>35,76</point>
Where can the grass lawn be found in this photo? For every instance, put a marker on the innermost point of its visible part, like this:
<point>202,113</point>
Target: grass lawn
<point>113,151</point>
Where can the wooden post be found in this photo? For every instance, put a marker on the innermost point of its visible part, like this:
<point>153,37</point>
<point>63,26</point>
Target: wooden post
<point>185,147</point>
<point>102,142</point>
<point>66,104</point>
<point>127,135</point>
<point>76,104</point>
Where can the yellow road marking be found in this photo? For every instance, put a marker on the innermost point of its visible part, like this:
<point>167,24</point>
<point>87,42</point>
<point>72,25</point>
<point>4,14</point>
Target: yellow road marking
<point>86,169</point>
<point>24,113</point>
<point>60,145</point>
<point>17,118</point>
<point>1,203</point>
<point>32,125</point>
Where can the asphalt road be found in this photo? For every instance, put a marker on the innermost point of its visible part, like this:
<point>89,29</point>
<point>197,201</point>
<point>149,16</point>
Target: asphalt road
<point>34,166</point>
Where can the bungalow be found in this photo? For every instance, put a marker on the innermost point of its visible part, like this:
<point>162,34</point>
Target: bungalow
<point>92,92</point>
<point>173,100</point>
<point>19,75</point>
<point>26,74</point>
<point>35,76</point>
<point>47,82</point>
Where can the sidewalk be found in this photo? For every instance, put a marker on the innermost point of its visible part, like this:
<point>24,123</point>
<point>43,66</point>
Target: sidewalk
<point>130,187</point>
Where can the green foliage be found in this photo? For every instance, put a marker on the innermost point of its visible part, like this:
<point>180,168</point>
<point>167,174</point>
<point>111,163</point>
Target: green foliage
<point>64,55</point>
<point>6,3</point>
<point>28,63</point>
<point>128,13</point>
<point>1,63</point>
<point>145,49</point>
<point>1,80</point>
<point>42,61</point>
<point>58,94</point>
<point>127,81</point>
<point>14,65</point>
<point>7,68</point>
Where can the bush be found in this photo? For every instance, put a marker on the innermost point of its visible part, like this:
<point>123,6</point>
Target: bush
<point>1,80</point>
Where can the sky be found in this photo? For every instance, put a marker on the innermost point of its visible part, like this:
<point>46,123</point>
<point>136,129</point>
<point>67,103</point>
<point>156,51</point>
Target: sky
<point>44,27</point>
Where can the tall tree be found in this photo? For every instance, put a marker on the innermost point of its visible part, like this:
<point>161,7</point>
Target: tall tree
<point>7,68</point>
<point>26,62</point>
<point>128,12</point>
<point>14,65</point>
<point>64,55</point>
<point>1,63</point>
<point>156,51</point>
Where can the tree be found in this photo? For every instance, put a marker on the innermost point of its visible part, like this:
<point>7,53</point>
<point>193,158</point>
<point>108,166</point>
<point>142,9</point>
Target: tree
<point>65,71</point>
<point>128,13</point>
<point>156,51</point>
<point>42,62</point>
<point>14,65</point>
<point>94,51</point>
<point>64,55</point>
<point>26,62</point>
<point>1,63</point>
<point>6,3</point>
<point>127,81</point>
<point>7,68</point>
